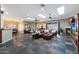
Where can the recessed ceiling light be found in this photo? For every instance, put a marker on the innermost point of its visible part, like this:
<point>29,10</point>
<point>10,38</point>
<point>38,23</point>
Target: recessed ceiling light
<point>2,8</point>
<point>42,9</point>
<point>30,18</point>
<point>60,10</point>
<point>40,15</point>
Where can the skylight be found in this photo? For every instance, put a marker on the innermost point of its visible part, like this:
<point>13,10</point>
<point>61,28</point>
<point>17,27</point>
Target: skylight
<point>60,10</point>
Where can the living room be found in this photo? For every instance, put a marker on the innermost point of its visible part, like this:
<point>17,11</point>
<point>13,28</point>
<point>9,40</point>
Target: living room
<point>44,31</point>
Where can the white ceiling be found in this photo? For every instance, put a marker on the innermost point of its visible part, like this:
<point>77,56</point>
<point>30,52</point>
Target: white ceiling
<point>23,11</point>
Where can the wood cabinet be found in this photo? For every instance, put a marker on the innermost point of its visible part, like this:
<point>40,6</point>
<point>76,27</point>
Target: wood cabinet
<point>75,31</point>
<point>78,33</point>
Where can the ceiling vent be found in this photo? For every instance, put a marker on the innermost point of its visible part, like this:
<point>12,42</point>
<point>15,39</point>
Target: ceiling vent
<point>50,17</point>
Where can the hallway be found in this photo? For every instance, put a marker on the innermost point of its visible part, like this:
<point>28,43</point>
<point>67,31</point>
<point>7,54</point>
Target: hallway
<point>57,45</point>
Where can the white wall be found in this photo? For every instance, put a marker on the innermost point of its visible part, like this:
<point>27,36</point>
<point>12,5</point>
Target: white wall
<point>64,24</point>
<point>2,21</point>
<point>21,28</point>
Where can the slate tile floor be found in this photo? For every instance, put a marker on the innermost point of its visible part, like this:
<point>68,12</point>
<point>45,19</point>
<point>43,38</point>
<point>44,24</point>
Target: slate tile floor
<point>57,45</point>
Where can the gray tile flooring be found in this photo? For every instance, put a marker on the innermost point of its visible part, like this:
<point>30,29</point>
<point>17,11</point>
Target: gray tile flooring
<point>57,45</point>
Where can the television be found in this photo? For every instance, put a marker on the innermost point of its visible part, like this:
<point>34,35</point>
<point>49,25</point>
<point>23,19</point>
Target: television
<point>73,26</point>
